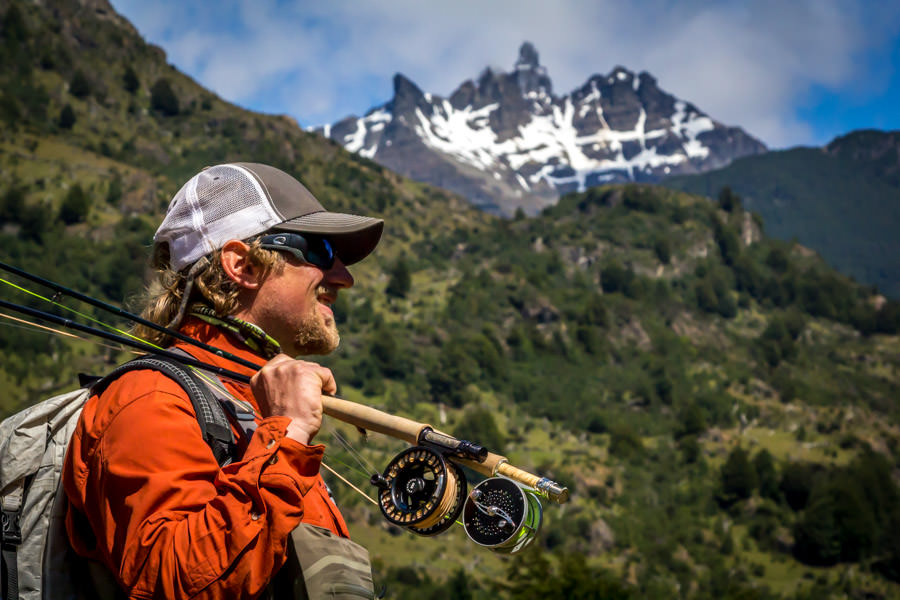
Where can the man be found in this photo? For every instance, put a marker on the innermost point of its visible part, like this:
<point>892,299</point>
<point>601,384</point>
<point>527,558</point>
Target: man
<point>250,263</point>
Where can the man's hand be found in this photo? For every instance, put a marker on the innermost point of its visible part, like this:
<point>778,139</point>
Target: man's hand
<point>293,388</point>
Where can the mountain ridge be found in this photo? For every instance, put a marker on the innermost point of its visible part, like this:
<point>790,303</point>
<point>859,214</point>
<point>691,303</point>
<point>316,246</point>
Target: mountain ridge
<point>507,142</point>
<point>841,200</point>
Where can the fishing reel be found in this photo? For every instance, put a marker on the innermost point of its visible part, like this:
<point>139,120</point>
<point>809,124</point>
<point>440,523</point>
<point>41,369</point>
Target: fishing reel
<point>424,491</point>
<point>502,516</point>
<point>421,491</point>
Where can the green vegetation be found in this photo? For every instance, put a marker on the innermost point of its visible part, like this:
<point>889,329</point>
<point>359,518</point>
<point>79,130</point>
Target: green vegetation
<point>841,201</point>
<point>721,404</point>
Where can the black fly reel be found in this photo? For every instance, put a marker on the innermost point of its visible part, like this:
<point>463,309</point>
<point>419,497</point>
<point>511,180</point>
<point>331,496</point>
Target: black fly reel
<point>502,516</point>
<point>421,490</point>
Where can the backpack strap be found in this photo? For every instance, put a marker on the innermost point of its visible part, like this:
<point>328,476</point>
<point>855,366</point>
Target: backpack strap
<point>11,538</point>
<point>214,424</point>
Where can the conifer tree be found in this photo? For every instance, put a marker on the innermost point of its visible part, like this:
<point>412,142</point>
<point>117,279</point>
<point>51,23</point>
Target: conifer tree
<point>163,98</point>
<point>79,87</point>
<point>400,282</point>
<point>130,80</point>
<point>66,117</point>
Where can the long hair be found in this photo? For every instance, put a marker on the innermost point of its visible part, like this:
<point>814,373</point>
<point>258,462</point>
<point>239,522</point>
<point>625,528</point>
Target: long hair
<point>165,295</point>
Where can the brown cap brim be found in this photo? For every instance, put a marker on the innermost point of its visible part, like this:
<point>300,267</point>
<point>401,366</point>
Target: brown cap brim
<point>352,236</point>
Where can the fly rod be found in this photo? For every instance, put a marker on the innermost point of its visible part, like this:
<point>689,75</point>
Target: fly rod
<point>59,289</point>
<point>459,451</point>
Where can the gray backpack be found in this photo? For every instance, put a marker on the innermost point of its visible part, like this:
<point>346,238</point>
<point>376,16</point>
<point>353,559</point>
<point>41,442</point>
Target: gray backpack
<point>37,561</point>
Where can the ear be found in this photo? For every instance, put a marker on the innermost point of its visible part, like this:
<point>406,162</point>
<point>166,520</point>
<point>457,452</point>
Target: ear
<point>238,267</point>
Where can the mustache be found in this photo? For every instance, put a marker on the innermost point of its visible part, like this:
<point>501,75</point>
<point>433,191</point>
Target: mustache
<point>328,291</point>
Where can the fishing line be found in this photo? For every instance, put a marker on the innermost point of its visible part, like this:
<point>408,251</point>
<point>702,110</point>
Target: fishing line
<point>353,452</point>
<point>339,476</point>
<point>63,306</point>
<point>30,326</point>
<point>59,289</point>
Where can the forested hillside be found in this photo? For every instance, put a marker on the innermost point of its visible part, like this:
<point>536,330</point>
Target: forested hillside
<point>721,404</point>
<point>842,200</point>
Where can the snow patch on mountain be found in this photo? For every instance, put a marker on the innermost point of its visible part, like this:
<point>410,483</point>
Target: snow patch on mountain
<point>513,130</point>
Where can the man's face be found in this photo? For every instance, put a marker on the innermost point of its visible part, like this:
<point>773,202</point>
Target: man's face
<point>294,306</point>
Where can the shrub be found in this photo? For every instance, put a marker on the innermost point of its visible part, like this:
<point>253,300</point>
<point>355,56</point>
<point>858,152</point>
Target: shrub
<point>163,98</point>
<point>624,442</point>
<point>79,87</point>
<point>478,425</point>
<point>130,80</point>
<point>663,250</point>
<point>66,117</point>
<point>692,421</point>
<point>12,204</point>
<point>75,206</point>
<point>616,278</point>
<point>400,280</point>
<point>728,200</point>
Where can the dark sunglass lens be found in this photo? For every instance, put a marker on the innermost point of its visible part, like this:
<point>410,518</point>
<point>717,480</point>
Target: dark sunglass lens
<point>320,253</point>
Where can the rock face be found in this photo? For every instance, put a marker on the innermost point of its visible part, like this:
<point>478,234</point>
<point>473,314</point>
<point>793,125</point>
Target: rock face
<point>506,142</point>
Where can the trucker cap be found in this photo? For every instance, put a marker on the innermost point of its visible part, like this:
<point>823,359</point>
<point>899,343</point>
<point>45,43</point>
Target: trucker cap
<point>237,201</point>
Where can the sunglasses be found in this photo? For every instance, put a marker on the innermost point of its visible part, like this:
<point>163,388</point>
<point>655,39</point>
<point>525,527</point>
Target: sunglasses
<point>311,249</point>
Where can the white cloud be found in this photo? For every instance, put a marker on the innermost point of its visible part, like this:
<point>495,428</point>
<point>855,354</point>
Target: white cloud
<point>747,64</point>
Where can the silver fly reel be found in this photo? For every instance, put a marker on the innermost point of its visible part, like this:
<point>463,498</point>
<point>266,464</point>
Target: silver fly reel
<point>500,515</point>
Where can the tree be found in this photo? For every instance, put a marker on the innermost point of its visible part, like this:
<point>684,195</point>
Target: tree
<point>66,117</point>
<point>163,98</point>
<point>693,422</point>
<point>478,425</point>
<point>130,80</point>
<point>75,205</point>
<point>114,191</point>
<point>14,29</point>
<point>400,280</point>
<point>738,477</point>
<point>728,200</point>
<point>616,278</point>
<point>12,204</point>
<point>79,87</point>
<point>764,464</point>
<point>729,243</point>
<point>797,480</point>
<point>663,249</point>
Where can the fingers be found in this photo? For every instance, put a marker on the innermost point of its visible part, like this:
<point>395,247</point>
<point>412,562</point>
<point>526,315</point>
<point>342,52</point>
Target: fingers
<point>285,386</point>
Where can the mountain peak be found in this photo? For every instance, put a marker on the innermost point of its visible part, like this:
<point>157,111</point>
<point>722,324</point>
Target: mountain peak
<point>528,57</point>
<point>403,86</point>
<point>530,75</point>
<point>407,95</point>
<point>505,141</point>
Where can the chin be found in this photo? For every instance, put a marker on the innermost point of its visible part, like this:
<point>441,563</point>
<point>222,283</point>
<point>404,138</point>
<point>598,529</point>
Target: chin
<point>320,341</point>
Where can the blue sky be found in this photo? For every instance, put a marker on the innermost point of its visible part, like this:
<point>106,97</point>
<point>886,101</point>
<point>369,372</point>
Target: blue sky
<point>795,72</point>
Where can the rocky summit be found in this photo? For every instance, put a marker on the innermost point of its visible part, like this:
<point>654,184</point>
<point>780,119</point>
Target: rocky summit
<point>506,142</point>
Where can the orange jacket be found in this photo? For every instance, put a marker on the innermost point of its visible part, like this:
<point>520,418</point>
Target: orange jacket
<point>148,500</point>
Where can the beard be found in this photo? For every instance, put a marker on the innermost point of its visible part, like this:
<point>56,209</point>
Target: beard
<point>317,334</point>
<point>316,337</point>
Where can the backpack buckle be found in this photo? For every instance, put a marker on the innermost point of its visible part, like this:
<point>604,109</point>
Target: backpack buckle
<point>11,532</point>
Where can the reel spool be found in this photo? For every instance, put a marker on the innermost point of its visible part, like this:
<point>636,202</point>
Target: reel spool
<point>421,490</point>
<point>500,515</point>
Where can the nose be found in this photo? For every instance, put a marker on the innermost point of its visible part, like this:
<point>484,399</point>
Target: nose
<point>338,276</point>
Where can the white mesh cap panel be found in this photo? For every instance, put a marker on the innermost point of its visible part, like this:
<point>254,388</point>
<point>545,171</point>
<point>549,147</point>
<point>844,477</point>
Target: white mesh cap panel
<point>218,204</point>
